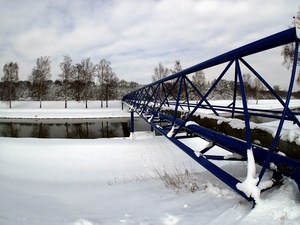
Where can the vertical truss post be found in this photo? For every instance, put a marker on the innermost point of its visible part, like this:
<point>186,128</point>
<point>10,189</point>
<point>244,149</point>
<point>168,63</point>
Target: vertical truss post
<point>245,107</point>
<point>285,110</point>
<point>287,101</point>
<point>165,99</point>
<point>131,121</point>
<point>177,102</point>
<point>204,99</point>
<point>234,93</point>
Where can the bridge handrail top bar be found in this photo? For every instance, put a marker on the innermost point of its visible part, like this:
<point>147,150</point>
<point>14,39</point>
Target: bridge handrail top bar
<point>272,41</point>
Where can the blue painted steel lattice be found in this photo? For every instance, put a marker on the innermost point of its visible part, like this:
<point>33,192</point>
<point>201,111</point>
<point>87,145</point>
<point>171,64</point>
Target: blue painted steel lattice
<point>168,107</point>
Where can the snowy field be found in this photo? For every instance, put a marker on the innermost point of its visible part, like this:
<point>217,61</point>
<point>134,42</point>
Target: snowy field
<point>56,109</point>
<point>116,181</point>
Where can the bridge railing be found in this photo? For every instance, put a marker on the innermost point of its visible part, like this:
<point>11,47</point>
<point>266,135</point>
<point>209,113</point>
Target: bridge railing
<point>170,104</point>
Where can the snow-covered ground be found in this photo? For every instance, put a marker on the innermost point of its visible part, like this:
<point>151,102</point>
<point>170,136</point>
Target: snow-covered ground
<point>56,109</point>
<point>116,181</point>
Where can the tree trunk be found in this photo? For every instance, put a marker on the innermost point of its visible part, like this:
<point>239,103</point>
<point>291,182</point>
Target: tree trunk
<point>10,90</point>
<point>106,95</point>
<point>86,106</point>
<point>66,104</point>
<point>40,103</point>
<point>67,130</point>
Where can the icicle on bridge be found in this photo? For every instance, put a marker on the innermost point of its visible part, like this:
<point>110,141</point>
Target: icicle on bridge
<point>169,106</point>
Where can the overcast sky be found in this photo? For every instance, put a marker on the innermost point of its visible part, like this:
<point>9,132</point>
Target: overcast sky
<point>135,35</point>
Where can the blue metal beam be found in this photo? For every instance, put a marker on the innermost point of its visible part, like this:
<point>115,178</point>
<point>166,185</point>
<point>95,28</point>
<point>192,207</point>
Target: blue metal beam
<point>151,100</point>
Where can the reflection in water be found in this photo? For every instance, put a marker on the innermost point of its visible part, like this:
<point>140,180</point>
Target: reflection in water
<point>40,130</point>
<point>105,128</point>
<point>9,128</point>
<point>80,128</point>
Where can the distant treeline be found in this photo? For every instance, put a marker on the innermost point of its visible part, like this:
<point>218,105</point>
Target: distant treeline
<point>81,82</point>
<point>23,91</point>
<point>86,81</point>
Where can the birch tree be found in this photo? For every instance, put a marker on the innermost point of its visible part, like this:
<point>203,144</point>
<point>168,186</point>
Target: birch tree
<point>41,73</point>
<point>86,70</point>
<point>160,72</point>
<point>177,67</point>
<point>10,78</point>
<point>199,80</point>
<point>288,54</point>
<point>68,71</point>
<point>108,81</point>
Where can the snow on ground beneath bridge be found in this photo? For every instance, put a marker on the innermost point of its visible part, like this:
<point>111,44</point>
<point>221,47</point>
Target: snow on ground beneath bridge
<point>115,181</point>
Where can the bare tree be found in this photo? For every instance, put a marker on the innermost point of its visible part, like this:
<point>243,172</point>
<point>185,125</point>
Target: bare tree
<point>111,84</point>
<point>103,68</point>
<point>133,85</point>
<point>177,67</point>
<point>171,83</point>
<point>288,54</point>
<point>68,71</point>
<point>108,81</point>
<point>160,72</point>
<point>10,78</point>
<point>288,57</point>
<point>276,88</point>
<point>41,73</point>
<point>86,71</point>
<point>77,83</point>
<point>199,80</point>
<point>258,87</point>
<point>247,83</point>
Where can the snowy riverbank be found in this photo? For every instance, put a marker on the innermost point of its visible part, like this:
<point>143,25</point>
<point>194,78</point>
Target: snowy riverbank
<point>56,109</point>
<point>115,181</point>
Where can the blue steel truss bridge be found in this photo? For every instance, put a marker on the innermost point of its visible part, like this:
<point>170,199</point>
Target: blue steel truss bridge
<point>175,107</point>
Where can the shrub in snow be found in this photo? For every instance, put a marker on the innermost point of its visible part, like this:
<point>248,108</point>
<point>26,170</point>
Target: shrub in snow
<point>192,186</point>
<point>178,181</point>
<point>174,181</point>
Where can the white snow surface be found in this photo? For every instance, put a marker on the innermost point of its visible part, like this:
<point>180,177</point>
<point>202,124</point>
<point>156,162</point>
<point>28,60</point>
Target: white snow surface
<point>114,181</point>
<point>57,110</point>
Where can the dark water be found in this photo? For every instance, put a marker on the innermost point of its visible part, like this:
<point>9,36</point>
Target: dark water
<point>81,128</point>
<point>70,128</point>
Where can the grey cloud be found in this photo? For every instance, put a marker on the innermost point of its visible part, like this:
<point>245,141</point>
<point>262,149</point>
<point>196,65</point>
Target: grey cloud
<point>135,35</point>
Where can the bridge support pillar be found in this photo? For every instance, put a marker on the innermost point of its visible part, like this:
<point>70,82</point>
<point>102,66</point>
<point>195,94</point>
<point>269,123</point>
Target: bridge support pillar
<point>131,122</point>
